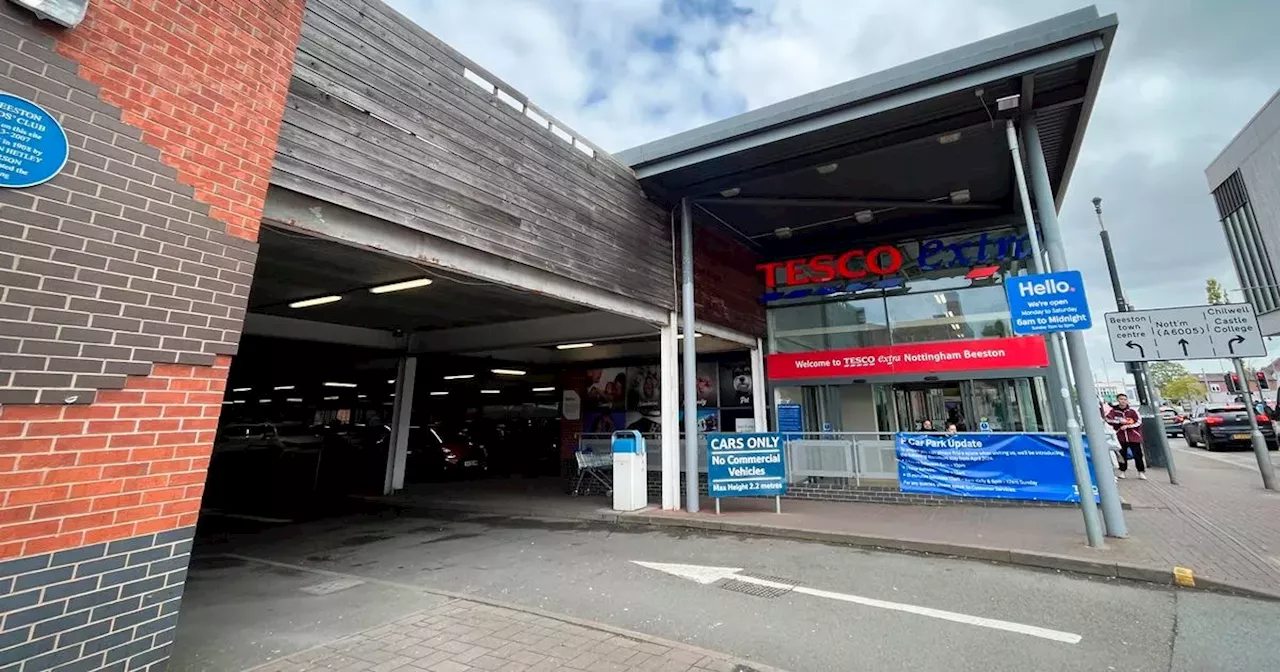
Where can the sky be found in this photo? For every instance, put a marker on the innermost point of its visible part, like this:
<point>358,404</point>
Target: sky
<point>1183,77</point>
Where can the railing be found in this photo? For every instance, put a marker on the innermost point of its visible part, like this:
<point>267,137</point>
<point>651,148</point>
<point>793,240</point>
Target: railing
<point>812,457</point>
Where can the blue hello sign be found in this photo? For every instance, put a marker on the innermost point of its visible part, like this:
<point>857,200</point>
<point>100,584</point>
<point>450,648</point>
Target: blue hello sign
<point>33,146</point>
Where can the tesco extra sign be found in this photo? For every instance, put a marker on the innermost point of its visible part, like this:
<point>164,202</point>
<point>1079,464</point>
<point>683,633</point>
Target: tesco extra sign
<point>852,265</point>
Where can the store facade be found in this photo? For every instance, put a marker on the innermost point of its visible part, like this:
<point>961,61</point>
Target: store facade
<point>886,335</point>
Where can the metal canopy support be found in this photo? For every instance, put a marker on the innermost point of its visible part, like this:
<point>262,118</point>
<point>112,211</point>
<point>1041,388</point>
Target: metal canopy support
<point>1075,444</point>
<point>670,416</point>
<point>1112,513</point>
<point>690,373</point>
<point>757,387</point>
<point>401,415</point>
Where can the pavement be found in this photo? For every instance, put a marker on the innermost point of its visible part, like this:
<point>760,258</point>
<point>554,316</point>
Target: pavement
<point>1219,523</point>
<point>418,591</point>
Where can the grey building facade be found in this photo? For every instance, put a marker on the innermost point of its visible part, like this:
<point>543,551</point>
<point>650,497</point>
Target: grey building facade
<point>1245,182</point>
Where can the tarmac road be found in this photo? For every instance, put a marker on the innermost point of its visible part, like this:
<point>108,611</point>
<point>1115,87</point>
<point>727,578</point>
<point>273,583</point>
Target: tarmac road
<point>587,571</point>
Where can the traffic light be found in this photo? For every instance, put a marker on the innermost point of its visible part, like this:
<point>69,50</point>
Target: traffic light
<point>1262,381</point>
<point>1233,383</point>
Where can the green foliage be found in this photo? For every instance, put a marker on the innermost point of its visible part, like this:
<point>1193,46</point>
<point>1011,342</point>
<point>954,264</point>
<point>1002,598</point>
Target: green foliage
<point>1214,292</point>
<point>1183,389</point>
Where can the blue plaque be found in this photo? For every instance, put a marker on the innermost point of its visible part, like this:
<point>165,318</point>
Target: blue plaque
<point>33,146</point>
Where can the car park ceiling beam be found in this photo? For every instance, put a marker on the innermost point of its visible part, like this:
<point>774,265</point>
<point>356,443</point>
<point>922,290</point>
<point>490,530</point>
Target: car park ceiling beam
<point>275,326</point>
<point>291,210</point>
<point>544,331</point>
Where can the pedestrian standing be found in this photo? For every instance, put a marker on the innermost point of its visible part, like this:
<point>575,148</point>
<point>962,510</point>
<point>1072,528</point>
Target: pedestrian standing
<point>1128,425</point>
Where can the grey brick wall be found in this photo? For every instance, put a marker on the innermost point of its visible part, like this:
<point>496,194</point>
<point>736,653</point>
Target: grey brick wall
<point>111,606</point>
<point>111,266</point>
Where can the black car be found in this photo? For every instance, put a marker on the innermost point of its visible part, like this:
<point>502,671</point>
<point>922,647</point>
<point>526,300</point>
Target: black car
<point>1224,426</point>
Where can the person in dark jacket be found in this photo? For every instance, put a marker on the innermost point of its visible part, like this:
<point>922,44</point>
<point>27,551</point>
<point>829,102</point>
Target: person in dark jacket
<point>1128,425</point>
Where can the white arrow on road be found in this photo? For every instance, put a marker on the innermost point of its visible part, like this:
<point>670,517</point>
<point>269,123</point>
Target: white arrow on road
<point>709,575</point>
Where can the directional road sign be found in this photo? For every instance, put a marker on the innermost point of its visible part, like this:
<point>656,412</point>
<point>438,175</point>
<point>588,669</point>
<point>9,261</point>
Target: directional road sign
<point>1049,302</point>
<point>1191,332</point>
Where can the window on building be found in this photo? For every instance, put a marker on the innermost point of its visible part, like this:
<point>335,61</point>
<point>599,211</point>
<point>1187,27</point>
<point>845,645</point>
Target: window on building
<point>830,326</point>
<point>976,312</point>
<point>1215,387</point>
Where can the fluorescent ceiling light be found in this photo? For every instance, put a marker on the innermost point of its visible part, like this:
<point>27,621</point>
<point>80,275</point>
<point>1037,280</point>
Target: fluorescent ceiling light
<point>730,193</point>
<point>574,346</point>
<point>241,389</point>
<point>339,384</point>
<point>227,403</point>
<point>264,401</point>
<point>361,396</point>
<point>296,400</point>
<point>239,401</point>
<point>949,138</point>
<point>391,382</point>
<point>508,372</point>
<point>460,376</point>
<point>827,168</point>
<point>544,389</point>
<point>283,387</point>
<point>695,335</point>
<point>318,301</point>
<point>397,286</point>
<point>333,398</point>
<point>783,232</point>
<point>439,394</point>
<point>960,196</point>
<point>490,391</point>
<point>864,216</point>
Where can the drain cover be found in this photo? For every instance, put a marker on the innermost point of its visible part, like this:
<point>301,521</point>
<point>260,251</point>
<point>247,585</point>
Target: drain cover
<point>331,587</point>
<point>755,589</point>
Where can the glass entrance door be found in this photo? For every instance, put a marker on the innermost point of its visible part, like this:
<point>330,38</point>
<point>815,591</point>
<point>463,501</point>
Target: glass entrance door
<point>1007,405</point>
<point>935,402</point>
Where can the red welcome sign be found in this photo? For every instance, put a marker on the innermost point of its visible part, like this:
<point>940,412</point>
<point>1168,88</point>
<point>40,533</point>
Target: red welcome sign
<point>909,358</point>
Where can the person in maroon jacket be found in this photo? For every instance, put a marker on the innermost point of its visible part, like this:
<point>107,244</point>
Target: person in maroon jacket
<point>1128,425</point>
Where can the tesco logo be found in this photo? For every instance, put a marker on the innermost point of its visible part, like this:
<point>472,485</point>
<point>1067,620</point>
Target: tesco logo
<point>852,265</point>
<point>1044,288</point>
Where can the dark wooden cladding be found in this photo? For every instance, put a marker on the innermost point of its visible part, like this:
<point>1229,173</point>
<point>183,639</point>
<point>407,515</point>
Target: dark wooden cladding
<point>380,119</point>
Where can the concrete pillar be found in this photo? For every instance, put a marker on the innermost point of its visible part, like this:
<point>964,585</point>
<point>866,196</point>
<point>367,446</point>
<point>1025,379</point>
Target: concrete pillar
<point>758,388</point>
<point>670,408</point>
<point>690,373</point>
<point>401,416</point>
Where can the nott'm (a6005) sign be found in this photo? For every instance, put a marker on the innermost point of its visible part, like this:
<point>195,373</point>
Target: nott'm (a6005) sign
<point>911,358</point>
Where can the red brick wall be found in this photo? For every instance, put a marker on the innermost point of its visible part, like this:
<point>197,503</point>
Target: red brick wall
<point>726,285</point>
<point>132,463</point>
<point>205,80</point>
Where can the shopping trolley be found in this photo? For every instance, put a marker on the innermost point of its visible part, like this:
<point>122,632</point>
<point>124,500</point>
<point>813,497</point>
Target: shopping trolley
<point>597,468</point>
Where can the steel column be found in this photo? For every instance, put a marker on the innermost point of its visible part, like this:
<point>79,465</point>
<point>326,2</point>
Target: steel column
<point>1112,513</point>
<point>758,401</point>
<point>690,373</point>
<point>670,402</point>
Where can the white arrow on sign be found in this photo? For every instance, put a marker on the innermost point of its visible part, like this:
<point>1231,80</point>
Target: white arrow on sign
<point>709,575</point>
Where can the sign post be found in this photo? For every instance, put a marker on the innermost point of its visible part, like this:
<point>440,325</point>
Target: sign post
<point>746,465</point>
<point>1217,331</point>
<point>1046,304</point>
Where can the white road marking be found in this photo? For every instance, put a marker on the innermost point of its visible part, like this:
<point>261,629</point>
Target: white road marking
<point>708,575</point>
<point>1250,465</point>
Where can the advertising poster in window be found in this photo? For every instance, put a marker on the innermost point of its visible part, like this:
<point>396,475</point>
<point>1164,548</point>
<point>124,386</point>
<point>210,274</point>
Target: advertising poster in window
<point>708,385</point>
<point>603,422</point>
<point>647,421</point>
<point>606,389</point>
<point>735,383</point>
<point>644,387</point>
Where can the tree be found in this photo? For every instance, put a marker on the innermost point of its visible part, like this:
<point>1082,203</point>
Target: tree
<point>1184,389</point>
<point>1214,292</point>
<point>1163,373</point>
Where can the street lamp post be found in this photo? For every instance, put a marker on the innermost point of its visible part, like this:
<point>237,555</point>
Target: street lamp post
<point>1141,374</point>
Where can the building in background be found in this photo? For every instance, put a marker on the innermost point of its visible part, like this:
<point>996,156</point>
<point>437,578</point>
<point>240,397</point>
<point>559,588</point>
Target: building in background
<point>1245,182</point>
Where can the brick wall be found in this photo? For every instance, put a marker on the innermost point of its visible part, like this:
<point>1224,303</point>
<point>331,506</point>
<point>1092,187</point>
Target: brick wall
<point>123,283</point>
<point>726,286</point>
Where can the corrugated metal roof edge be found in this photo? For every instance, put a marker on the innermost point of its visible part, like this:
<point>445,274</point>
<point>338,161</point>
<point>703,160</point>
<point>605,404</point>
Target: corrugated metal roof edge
<point>1022,41</point>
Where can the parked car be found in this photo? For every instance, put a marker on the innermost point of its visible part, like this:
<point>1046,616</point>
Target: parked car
<point>1224,426</point>
<point>1173,420</point>
<point>435,452</point>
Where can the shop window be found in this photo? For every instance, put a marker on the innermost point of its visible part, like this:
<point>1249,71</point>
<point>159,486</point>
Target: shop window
<point>976,312</point>
<point>830,326</point>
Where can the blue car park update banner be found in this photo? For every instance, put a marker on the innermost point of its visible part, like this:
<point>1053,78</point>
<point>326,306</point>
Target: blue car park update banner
<point>1001,466</point>
<point>746,465</point>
